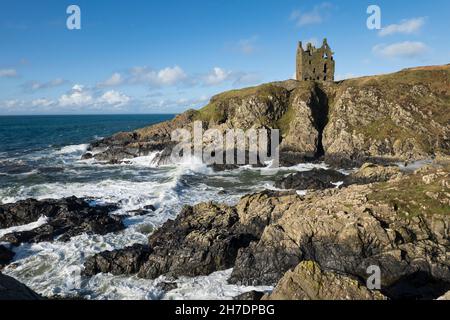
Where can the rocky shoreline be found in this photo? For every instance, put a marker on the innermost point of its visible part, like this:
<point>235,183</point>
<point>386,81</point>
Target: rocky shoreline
<point>300,244</point>
<point>316,244</point>
<point>341,231</point>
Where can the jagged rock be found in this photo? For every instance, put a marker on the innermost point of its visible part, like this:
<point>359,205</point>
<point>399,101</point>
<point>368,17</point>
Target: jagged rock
<point>384,117</point>
<point>167,286</point>
<point>201,240</point>
<point>308,282</point>
<point>150,207</point>
<point>393,225</point>
<point>350,229</point>
<point>371,173</point>
<point>123,261</point>
<point>445,296</point>
<point>316,179</point>
<point>6,256</point>
<point>67,218</point>
<point>396,117</point>
<point>250,296</point>
<point>11,289</point>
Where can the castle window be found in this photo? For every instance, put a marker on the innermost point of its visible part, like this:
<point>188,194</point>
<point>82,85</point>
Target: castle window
<point>325,68</point>
<point>309,61</point>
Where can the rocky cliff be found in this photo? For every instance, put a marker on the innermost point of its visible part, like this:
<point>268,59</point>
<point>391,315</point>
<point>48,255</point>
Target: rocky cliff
<point>395,117</point>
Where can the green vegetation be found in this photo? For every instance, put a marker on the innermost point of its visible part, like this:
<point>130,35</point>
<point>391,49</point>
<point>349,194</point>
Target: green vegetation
<point>217,109</point>
<point>412,197</point>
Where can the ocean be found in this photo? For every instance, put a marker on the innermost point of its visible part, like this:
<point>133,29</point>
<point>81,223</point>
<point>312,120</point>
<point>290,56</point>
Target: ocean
<point>40,157</point>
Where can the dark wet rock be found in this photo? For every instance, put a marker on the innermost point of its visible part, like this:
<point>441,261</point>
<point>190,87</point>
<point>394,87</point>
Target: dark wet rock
<point>138,212</point>
<point>67,218</point>
<point>150,207</point>
<point>167,286</point>
<point>316,179</point>
<point>223,167</point>
<point>250,296</point>
<point>122,261</point>
<point>11,289</point>
<point>6,256</point>
<point>87,156</point>
<point>201,240</point>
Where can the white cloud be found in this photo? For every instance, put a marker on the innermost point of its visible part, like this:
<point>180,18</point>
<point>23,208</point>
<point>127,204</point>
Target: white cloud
<point>36,85</point>
<point>408,26</point>
<point>8,73</point>
<point>42,102</point>
<point>405,49</point>
<point>115,80</point>
<point>165,77</point>
<point>113,98</point>
<point>316,16</point>
<point>216,76</point>
<point>78,97</point>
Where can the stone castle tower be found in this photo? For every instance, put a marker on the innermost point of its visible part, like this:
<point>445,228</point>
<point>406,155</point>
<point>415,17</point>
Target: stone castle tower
<point>315,64</point>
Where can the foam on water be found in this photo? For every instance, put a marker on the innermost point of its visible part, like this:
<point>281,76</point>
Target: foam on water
<point>78,149</point>
<point>55,268</point>
<point>27,227</point>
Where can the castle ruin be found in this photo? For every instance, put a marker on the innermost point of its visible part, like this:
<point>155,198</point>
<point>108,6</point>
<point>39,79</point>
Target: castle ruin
<point>315,64</point>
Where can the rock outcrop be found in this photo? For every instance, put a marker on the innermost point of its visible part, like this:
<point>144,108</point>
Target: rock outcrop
<point>316,179</point>
<point>308,282</point>
<point>123,261</point>
<point>11,289</point>
<point>67,218</point>
<point>6,256</point>
<point>402,226</point>
<point>397,117</point>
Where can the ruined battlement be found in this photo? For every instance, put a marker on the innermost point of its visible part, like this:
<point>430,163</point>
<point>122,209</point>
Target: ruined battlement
<point>315,64</point>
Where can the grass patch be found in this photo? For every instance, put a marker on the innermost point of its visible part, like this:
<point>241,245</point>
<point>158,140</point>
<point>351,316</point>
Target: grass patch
<point>409,196</point>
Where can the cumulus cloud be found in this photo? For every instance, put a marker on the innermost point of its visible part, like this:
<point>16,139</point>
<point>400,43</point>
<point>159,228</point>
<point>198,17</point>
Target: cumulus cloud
<point>36,85</point>
<point>78,97</point>
<point>407,49</point>
<point>316,16</point>
<point>216,76</point>
<point>165,77</point>
<point>8,73</point>
<point>42,102</point>
<point>114,98</point>
<point>407,26</point>
<point>115,80</point>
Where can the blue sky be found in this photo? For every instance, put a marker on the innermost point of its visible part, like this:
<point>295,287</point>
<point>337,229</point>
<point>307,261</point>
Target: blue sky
<point>167,56</point>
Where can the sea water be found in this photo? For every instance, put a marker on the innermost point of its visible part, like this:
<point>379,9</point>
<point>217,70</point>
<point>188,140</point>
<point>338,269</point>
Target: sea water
<point>40,157</point>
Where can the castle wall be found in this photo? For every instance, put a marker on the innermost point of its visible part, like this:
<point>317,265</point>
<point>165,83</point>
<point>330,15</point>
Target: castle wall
<point>315,64</point>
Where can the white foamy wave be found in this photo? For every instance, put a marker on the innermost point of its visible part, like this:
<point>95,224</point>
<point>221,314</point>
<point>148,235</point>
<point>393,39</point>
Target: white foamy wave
<point>214,286</point>
<point>144,161</point>
<point>41,221</point>
<point>128,194</point>
<point>79,148</point>
<point>192,164</point>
